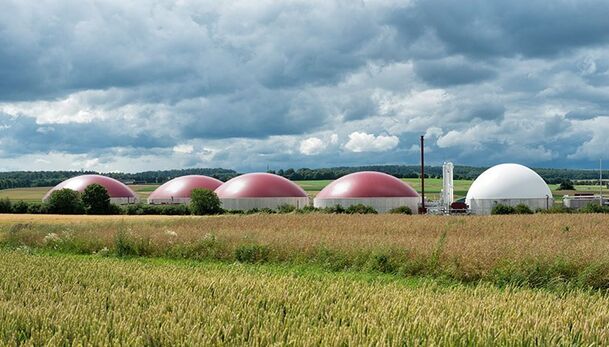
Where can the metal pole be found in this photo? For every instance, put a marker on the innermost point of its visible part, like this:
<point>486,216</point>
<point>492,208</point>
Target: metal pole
<point>422,174</point>
<point>601,181</point>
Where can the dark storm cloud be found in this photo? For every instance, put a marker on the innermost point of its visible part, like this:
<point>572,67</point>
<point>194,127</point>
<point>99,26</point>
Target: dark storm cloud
<point>534,28</point>
<point>450,72</point>
<point>153,75</point>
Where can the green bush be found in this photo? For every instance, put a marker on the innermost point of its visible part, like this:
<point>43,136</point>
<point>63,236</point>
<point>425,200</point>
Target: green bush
<point>65,201</point>
<point>96,199</point>
<point>308,209</point>
<point>503,209</point>
<point>204,202</point>
<point>286,208</point>
<point>594,208</point>
<point>522,209</point>
<point>20,207</point>
<point>6,206</point>
<point>566,185</point>
<point>338,209</point>
<point>145,209</point>
<point>37,208</point>
<point>401,210</point>
<point>360,209</point>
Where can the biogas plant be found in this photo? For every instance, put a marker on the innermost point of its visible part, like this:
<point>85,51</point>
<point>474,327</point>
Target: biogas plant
<point>506,184</point>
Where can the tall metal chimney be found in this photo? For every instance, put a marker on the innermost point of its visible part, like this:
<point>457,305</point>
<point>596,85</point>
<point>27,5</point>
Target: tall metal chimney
<point>423,209</point>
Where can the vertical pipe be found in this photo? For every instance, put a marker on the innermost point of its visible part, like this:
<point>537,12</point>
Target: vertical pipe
<point>423,210</point>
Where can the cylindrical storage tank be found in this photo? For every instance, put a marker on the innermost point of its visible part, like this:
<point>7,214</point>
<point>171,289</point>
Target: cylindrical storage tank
<point>177,190</point>
<point>119,192</point>
<point>378,190</point>
<point>511,185</point>
<point>260,190</point>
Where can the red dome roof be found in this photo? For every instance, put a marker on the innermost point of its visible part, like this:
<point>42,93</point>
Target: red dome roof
<point>181,187</point>
<point>115,188</point>
<point>259,185</point>
<point>367,184</point>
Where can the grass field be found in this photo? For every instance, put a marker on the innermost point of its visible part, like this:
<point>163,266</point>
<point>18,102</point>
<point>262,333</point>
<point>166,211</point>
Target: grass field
<point>314,279</point>
<point>433,186</point>
<point>537,250</point>
<point>57,300</point>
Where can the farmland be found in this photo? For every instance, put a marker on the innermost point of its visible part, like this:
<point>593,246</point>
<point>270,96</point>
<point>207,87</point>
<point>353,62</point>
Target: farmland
<point>311,279</point>
<point>90,300</point>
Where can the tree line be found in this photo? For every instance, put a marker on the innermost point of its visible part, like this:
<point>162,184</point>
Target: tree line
<point>20,179</point>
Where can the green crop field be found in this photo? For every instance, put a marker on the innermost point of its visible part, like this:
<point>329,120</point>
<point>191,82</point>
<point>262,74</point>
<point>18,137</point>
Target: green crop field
<point>304,280</point>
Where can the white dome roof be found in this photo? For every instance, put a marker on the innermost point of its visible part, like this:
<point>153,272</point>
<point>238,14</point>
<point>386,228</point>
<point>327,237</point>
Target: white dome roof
<point>509,181</point>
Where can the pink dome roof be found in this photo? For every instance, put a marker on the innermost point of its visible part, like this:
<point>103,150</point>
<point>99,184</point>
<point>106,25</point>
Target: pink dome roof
<point>115,188</point>
<point>260,185</point>
<point>181,187</point>
<point>367,184</point>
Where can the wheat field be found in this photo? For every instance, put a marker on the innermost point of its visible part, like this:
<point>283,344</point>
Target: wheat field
<point>91,300</point>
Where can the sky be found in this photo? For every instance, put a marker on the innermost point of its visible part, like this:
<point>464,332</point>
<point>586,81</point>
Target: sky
<point>249,85</point>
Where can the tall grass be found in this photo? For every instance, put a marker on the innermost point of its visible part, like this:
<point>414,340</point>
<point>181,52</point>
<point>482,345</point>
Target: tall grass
<point>66,300</point>
<point>534,251</point>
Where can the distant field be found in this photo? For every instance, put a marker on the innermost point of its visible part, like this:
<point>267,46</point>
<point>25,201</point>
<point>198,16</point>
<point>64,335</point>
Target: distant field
<point>433,186</point>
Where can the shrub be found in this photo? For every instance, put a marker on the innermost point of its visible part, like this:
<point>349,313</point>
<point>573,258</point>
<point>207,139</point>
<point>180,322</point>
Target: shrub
<point>145,209</point>
<point>286,208</point>
<point>503,209</point>
<point>65,201</point>
<point>401,210</point>
<point>5,206</point>
<point>96,199</point>
<point>308,209</point>
<point>37,208</point>
<point>204,202</point>
<point>360,209</point>
<point>522,209</point>
<point>566,185</point>
<point>594,208</point>
<point>556,209</point>
<point>20,207</point>
<point>335,209</point>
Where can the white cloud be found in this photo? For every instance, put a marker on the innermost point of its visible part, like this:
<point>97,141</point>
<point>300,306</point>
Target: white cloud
<point>334,139</point>
<point>183,149</point>
<point>363,142</point>
<point>312,146</point>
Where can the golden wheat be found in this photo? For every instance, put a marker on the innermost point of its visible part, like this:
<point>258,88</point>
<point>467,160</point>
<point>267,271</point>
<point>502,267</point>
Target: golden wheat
<point>59,300</point>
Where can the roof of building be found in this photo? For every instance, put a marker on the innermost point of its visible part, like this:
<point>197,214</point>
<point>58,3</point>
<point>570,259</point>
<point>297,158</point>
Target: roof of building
<point>259,185</point>
<point>181,187</point>
<point>115,188</point>
<point>367,184</point>
<point>509,181</point>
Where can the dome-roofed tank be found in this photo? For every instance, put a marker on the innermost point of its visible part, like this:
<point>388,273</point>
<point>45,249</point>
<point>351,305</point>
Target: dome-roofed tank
<point>508,184</point>
<point>379,190</point>
<point>260,190</point>
<point>178,190</point>
<point>119,192</point>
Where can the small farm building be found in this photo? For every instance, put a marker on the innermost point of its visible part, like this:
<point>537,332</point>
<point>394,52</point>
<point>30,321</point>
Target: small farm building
<point>260,190</point>
<point>381,191</point>
<point>177,190</point>
<point>119,192</point>
<point>508,184</point>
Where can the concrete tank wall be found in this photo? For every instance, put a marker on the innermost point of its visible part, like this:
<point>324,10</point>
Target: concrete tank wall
<point>485,206</point>
<point>381,205</point>
<point>174,201</point>
<point>123,201</point>
<point>245,204</point>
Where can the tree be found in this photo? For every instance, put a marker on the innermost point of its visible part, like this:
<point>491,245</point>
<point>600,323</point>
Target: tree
<point>96,199</point>
<point>566,185</point>
<point>503,209</point>
<point>204,201</point>
<point>65,201</point>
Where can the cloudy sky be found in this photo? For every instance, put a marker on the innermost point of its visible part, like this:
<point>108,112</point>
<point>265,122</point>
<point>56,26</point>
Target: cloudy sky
<point>143,85</point>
